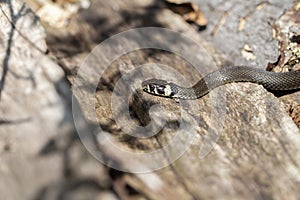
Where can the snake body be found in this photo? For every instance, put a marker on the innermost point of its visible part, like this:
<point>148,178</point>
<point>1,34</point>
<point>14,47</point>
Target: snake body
<point>270,80</point>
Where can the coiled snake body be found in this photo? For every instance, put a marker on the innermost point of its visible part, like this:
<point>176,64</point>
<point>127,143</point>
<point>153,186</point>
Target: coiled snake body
<point>270,80</point>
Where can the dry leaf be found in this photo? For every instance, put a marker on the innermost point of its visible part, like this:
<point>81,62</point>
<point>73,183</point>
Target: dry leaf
<point>294,112</point>
<point>189,11</point>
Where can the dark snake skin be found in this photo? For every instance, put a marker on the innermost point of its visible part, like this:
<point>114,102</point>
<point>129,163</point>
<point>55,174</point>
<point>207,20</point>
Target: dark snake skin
<point>270,80</point>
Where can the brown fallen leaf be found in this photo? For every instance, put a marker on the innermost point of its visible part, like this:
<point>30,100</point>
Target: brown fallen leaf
<point>189,11</point>
<point>294,112</point>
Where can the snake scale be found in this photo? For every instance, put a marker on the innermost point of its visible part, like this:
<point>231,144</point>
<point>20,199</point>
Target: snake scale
<point>270,80</point>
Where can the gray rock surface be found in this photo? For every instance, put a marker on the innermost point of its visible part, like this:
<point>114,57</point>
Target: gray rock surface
<point>243,144</point>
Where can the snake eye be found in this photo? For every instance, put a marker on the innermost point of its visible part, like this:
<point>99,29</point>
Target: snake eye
<point>160,89</point>
<point>151,88</point>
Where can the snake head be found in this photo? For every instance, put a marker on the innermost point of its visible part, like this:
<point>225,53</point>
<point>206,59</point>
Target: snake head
<point>160,88</point>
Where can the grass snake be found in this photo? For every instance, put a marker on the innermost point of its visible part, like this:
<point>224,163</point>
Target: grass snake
<point>270,80</point>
